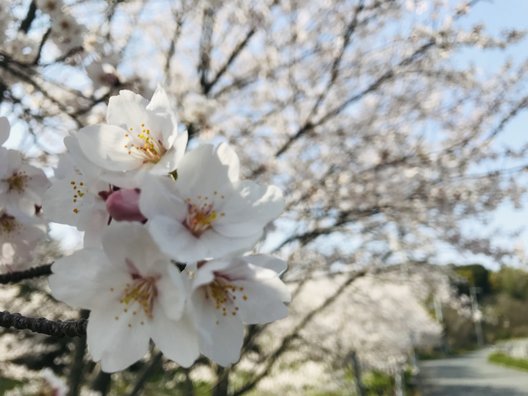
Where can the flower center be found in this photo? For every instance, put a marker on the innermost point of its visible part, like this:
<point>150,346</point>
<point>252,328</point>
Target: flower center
<point>8,224</point>
<point>224,295</point>
<point>143,291</point>
<point>17,181</point>
<point>144,146</point>
<point>199,218</point>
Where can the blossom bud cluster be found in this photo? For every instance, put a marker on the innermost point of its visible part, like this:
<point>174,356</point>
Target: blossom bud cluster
<point>166,232</point>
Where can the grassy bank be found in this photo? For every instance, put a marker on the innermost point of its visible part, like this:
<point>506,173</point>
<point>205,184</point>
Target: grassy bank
<point>508,361</point>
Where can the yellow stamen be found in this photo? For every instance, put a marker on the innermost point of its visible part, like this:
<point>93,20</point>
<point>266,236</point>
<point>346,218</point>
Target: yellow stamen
<point>199,219</point>
<point>142,291</point>
<point>17,181</point>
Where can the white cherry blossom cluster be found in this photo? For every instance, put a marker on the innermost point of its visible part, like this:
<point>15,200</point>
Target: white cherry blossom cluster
<point>66,32</point>
<point>165,233</point>
<point>21,188</point>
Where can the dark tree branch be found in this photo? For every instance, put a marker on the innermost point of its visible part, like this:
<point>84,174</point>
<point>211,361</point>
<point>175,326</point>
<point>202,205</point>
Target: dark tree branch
<point>41,45</point>
<point>35,272</point>
<point>236,51</point>
<point>221,387</point>
<point>172,47</point>
<point>30,16</point>
<point>102,383</point>
<point>76,374</point>
<point>57,328</point>
<point>7,64</point>
<point>205,47</point>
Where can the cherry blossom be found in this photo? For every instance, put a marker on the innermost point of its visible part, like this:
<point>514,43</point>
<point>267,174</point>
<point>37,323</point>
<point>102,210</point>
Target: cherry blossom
<point>19,235</point>
<point>140,137</point>
<point>228,293</point>
<point>76,198</point>
<point>21,184</point>
<point>134,294</point>
<point>208,212</point>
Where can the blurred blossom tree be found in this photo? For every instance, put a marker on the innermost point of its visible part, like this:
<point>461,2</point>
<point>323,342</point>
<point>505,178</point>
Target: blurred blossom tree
<point>383,144</point>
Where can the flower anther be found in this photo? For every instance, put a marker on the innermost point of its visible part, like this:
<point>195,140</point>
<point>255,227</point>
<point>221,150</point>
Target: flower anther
<point>17,181</point>
<point>142,145</point>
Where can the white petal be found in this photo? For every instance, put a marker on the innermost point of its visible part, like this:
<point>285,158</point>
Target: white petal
<point>161,105</point>
<point>249,209</point>
<point>201,172</point>
<point>130,242</point>
<point>129,110</point>
<point>180,144</point>
<point>227,336</point>
<point>170,160</point>
<point>157,199</point>
<point>75,158</point>
<point>264,301</point>
<point>172,293</point>
<point>175,240</point>
<point>104,145</point>
<point>4,167</point>
<point>228,157</point>
<point>178,340</point>
<point>15,160</point>
<point>218,245</point>
<point>205,274</point>
<point>125,109</point>
<point>167,163</point>
<point>266,261</point>
<point>117,343</point>
<point>85,279</point>
<point>60,206</point>
<point>4,129</point>
<point>39,182</point>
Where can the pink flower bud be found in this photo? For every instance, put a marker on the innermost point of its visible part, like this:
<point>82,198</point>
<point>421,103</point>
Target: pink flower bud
<point>123,205</point>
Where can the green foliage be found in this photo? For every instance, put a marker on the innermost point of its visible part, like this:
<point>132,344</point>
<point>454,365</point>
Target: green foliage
<point>508,361</point>
<point>511,281</point>
<point>502,297</point>
<point>8,384</point>
<point>378,384</point>
<point>476,275</point>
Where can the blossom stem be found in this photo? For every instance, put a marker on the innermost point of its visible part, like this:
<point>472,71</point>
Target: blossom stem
<point>14,277</point>
<point>57,328</point>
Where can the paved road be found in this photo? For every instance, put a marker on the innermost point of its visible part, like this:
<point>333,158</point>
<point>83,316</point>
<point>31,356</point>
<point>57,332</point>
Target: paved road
<point>471,375</point>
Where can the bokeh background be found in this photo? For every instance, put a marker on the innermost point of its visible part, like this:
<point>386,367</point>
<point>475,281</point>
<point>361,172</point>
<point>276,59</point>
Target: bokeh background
<point>396,129</point>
